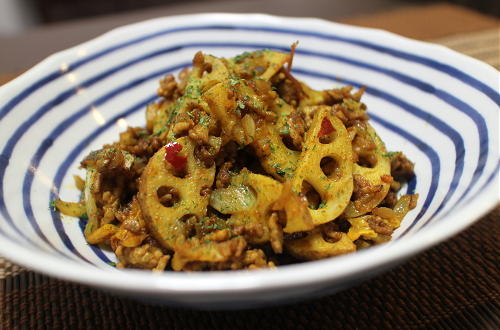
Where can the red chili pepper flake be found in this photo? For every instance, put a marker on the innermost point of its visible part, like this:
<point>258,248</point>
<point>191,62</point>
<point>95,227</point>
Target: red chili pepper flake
<point>172,150</point>
<point>326,127</point>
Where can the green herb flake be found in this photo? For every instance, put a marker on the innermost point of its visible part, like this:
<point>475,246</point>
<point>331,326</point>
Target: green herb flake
<point>204,120</point>
<point>161,130</point>
<point>390,154</point>
<point>242,56</point>
<point>285,130</point>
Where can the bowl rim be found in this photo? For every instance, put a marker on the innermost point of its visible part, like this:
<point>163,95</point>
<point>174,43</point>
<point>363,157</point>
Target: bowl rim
<point>218,283</point>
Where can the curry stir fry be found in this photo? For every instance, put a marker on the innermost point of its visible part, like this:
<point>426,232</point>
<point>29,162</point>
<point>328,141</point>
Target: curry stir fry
<point>242,166</point>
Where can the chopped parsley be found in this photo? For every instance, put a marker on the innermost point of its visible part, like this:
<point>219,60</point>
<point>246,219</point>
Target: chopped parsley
<point>390,154</point>
<point>161,130</point>
<point>242,56</point>
<point>204,120</point>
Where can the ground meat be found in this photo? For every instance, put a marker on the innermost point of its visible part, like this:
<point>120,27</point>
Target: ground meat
<point>379,225</point>
<point>199,62</point>
<point>168,88</point>
<point>198,255</point>
<point>250,230</point>
<point>413,201</point>
<point>338,95</point>
<point>331,232</point>
<point>289,89</point>
<point>262,147</point>
<point>253,259</point>
<point>106,159</point>
<point>350,116</point>
<point>139,142</point>
<point>386,178</point>
<point>229,152</point>
<point>182,124</point>
<point>296,126</point>
<point>363,191</point>
<point>145,256</point>
<point>401,167</point>
<point>275,233</point>
<point>224,175</point>
<point>168,196</point>
<point>132,225</point>
<point>390,200</point>
<point>206,154</point>
<point>205,191</point>
<point>145,148</point>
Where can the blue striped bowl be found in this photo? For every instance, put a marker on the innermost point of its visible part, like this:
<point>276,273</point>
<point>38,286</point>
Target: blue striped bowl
<point>439,107</point>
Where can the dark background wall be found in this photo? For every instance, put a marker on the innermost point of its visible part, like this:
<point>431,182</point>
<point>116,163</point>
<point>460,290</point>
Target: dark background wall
<point>51,11</point>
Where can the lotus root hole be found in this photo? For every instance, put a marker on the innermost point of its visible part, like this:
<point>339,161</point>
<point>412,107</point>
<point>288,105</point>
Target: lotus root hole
<point>331,168</point>
<point>168,196</point>
<point>314,200</point>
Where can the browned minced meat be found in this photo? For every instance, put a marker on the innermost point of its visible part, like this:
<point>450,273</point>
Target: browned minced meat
<point>390,199</point>
<point>168,196</point>
<point>296,125</point>
<point>413,201</point>
<point>182,124</point>
<point>228,152</point>
<point>205,191</point>
<point>249,230</point>
<point>338,95</point>
<point>289,89</point>
<point>224,176</point>
<point>379,225</point>
<point>350,117</point>
<point>206,154</point>
<point>401,167</point>
<point>363,190</point>
<point>331,232</point>
<point>139,142</point>
<point>169,88</point>
<point>145,256</point>
<point>199,61</point>
<point>104,160</point>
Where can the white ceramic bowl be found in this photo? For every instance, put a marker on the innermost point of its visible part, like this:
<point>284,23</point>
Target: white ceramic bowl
<point>439,107</point>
